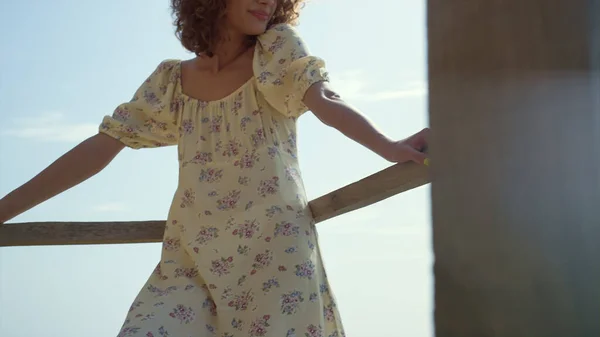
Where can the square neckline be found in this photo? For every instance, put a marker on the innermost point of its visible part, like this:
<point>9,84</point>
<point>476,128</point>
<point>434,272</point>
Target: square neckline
<point>215,101</point>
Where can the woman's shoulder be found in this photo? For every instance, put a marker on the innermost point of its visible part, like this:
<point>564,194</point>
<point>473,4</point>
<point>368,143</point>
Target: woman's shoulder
<point>282,32</point>
<point>168,65</point>
<point>281,42</point>
<point>165,71</point>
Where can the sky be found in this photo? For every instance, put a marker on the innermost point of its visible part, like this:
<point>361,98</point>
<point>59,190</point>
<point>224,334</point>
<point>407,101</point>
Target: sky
<point>67,63</point>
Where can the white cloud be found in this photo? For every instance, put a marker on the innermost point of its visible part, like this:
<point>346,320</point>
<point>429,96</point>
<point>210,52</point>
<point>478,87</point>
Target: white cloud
<point>50,127</point>
<point>109,207</point>
<point>352,85</point>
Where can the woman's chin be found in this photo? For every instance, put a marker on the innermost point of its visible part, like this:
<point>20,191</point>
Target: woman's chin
<point>254,27</point>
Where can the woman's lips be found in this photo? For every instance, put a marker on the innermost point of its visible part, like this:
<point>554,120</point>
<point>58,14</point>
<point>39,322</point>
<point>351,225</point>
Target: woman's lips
<point>262,16</point>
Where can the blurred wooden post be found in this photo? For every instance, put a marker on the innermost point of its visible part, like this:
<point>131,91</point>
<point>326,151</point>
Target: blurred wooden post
<point>514,103</point>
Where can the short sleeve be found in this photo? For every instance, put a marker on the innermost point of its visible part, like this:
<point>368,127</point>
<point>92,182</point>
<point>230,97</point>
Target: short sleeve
<point>150,119</point>
<point>284,69</point>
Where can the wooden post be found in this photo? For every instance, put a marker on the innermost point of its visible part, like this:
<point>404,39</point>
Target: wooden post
<point>515,113</point>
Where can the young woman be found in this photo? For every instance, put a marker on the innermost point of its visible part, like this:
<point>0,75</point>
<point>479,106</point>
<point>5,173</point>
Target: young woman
<point>240,255</point>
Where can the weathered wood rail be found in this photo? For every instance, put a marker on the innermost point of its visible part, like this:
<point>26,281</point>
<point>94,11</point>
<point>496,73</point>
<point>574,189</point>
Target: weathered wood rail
<point>374,188</point>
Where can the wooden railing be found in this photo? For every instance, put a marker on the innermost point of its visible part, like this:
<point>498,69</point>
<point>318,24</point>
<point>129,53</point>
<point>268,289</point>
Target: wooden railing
<point>372,189</point>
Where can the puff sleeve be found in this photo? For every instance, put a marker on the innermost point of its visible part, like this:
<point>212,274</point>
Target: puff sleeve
<point>284,69</point>
<point>150,119</point>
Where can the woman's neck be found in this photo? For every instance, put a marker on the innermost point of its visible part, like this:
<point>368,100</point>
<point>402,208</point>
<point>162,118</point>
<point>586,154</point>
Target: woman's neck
<point>232,45</point>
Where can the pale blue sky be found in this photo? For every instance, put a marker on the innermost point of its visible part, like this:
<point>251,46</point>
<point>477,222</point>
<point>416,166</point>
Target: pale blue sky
<point>67,63</point>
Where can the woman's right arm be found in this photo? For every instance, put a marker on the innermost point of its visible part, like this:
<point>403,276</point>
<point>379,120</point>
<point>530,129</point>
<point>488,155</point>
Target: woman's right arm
<point>79,164</point>
<point>148,120</point>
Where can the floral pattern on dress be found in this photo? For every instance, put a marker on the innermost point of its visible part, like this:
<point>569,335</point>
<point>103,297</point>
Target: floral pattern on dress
<point>290,302</point>
<point>183,314</point>
<point>259,326</point>
<point>240,254</point>
<point>222,266</point>
<point>206,234</point>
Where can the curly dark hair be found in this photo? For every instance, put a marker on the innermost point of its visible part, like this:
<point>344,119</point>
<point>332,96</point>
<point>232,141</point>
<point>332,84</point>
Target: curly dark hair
<point>197,21</point>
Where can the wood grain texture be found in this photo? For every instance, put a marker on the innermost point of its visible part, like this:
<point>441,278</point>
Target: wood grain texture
<point>80,233</point>
<point>513,98</point>
<point>374,188</point>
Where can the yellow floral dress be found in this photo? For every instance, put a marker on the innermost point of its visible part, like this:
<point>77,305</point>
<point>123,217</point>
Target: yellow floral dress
<point>240,254</point>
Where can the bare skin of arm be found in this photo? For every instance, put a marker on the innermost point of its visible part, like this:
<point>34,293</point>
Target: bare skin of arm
<point>79,164</point>
<point>334,112</point>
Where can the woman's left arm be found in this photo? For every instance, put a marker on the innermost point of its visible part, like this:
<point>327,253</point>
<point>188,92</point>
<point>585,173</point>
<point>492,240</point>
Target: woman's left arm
<point>333,111</point>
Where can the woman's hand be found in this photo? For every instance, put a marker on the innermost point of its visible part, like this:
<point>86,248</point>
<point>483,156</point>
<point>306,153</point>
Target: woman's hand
<point>409,149</point>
